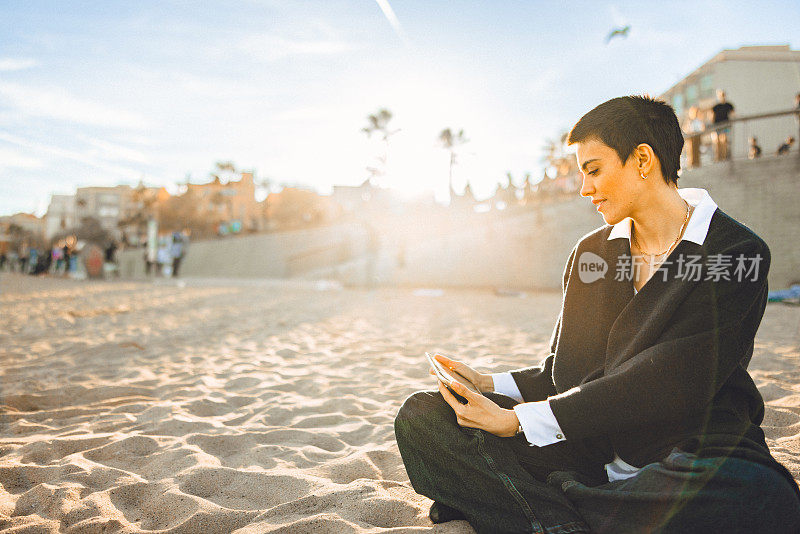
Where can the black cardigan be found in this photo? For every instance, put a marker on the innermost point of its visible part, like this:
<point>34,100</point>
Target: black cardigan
<point>667,367</point>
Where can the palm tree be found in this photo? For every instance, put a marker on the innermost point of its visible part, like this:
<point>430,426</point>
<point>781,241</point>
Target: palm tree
<point>379,123</point>
<point>450,143</point>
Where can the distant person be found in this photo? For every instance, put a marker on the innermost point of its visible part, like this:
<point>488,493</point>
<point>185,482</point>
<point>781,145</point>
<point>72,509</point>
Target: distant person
<point>163,257</point>
<point>723,112</point>
<point>754,150</point>
<point>785,147</point>
<point>24,252</point>
<point>693,127</point>
<point>642,416</point>
<point>110,258</point>
<point>110,252</point>
<point>3,259</point>
<point>797,108</point>
<point>42,264</point>
<point>13,261</point>
<point>33,260</point>
<point>55,254</point>
<point>67,254</point>
<point>149,261</point>
<point>177,251</point>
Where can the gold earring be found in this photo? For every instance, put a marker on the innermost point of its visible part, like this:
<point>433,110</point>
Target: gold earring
<point>643,176</point>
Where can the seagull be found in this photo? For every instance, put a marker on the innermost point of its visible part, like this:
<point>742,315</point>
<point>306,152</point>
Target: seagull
<point>622,32</point>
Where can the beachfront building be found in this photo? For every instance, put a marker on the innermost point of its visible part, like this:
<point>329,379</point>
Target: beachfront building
<point>464,201</point>
<point>756,80</point>
<point>148,199</point>
<point>28,222</point>
<point>362,197</point>
<point>294,207</point>
<point>107,205</point>
<point>231,204</point>
<point>146,205</point>
<point>18,228</point>
<point>368,200</point>
<point>61,215</point>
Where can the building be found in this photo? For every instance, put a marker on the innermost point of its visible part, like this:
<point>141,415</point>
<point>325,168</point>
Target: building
<point>61,215</point>
<point>293,207</point>
<point>756,80</point>
<point>20,227</point>
<point>466,200</point>
<point>29,223</point>
<point>108,205</point>
<point>230,203</point>
<point>148,199</point>
<point>367,199</point>
<point>146,203</point>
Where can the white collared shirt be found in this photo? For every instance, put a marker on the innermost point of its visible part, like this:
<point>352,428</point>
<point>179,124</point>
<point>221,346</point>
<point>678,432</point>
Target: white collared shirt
<point>697,228</point>
<point>536,418</point>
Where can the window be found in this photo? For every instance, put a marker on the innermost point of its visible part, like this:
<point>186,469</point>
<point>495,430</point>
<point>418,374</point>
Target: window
<point>691,95</point>
<point>706,86</point>
<point>677,103</point>
<point>108,211</point>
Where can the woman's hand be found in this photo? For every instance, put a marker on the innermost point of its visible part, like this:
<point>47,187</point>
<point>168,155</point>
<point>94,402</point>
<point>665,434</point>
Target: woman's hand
<point>483,381</point>
<point>480,412</point>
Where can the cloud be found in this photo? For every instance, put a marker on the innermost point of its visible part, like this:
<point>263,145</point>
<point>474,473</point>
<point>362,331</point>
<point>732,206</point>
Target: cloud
<point>10,64</point>
<point>208,86</point>
<point>54,104</point>
<point>10,158</point>
<point>114,152</point>
<point>306,114</point>
<point>85,158</point>
<point>272,47</point>
<point>544,82</point>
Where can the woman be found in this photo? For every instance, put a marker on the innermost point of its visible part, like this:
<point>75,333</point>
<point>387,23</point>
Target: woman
<point>693,127</point>
<point>643,417</point>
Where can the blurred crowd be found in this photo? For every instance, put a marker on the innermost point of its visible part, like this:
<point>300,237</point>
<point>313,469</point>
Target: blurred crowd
<point>71,257</point>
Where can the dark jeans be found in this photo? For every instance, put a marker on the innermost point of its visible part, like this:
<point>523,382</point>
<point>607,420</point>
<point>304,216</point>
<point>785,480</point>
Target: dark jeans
<point>505,485</point>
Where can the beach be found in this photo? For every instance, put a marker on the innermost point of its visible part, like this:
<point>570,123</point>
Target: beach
<point>258,406</point>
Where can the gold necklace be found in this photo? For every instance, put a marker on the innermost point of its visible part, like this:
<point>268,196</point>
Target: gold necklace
<point>645,254</point>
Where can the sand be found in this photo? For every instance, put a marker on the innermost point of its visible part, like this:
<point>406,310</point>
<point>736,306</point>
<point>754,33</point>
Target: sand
<point>224,406</point>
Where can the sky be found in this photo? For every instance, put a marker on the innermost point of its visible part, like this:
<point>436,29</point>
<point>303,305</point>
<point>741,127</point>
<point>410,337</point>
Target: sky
<point>111,92</point>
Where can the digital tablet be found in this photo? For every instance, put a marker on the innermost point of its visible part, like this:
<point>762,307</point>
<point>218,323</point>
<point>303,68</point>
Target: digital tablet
<point>448,375</point>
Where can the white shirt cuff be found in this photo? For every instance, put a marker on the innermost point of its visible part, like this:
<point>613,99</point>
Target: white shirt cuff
<point>504,384</point>
<point>538,423</point>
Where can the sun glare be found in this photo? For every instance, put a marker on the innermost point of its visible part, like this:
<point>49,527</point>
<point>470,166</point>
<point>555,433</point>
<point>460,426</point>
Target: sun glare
<point>417,161</point>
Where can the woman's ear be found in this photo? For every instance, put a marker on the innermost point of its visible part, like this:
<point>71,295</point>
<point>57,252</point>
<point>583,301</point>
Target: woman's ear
<point>645,158</point>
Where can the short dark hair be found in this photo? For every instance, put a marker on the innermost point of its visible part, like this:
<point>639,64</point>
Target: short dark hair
<point>625,122</point>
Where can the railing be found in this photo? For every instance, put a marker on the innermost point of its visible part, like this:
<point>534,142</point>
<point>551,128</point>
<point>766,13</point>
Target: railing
<point>770,130</point>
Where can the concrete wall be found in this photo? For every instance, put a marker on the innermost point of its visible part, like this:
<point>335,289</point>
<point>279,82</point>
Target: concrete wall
<point>523,251</point>
<point>277,255</point>
<point>528,250</point>
<point>516,249</point>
